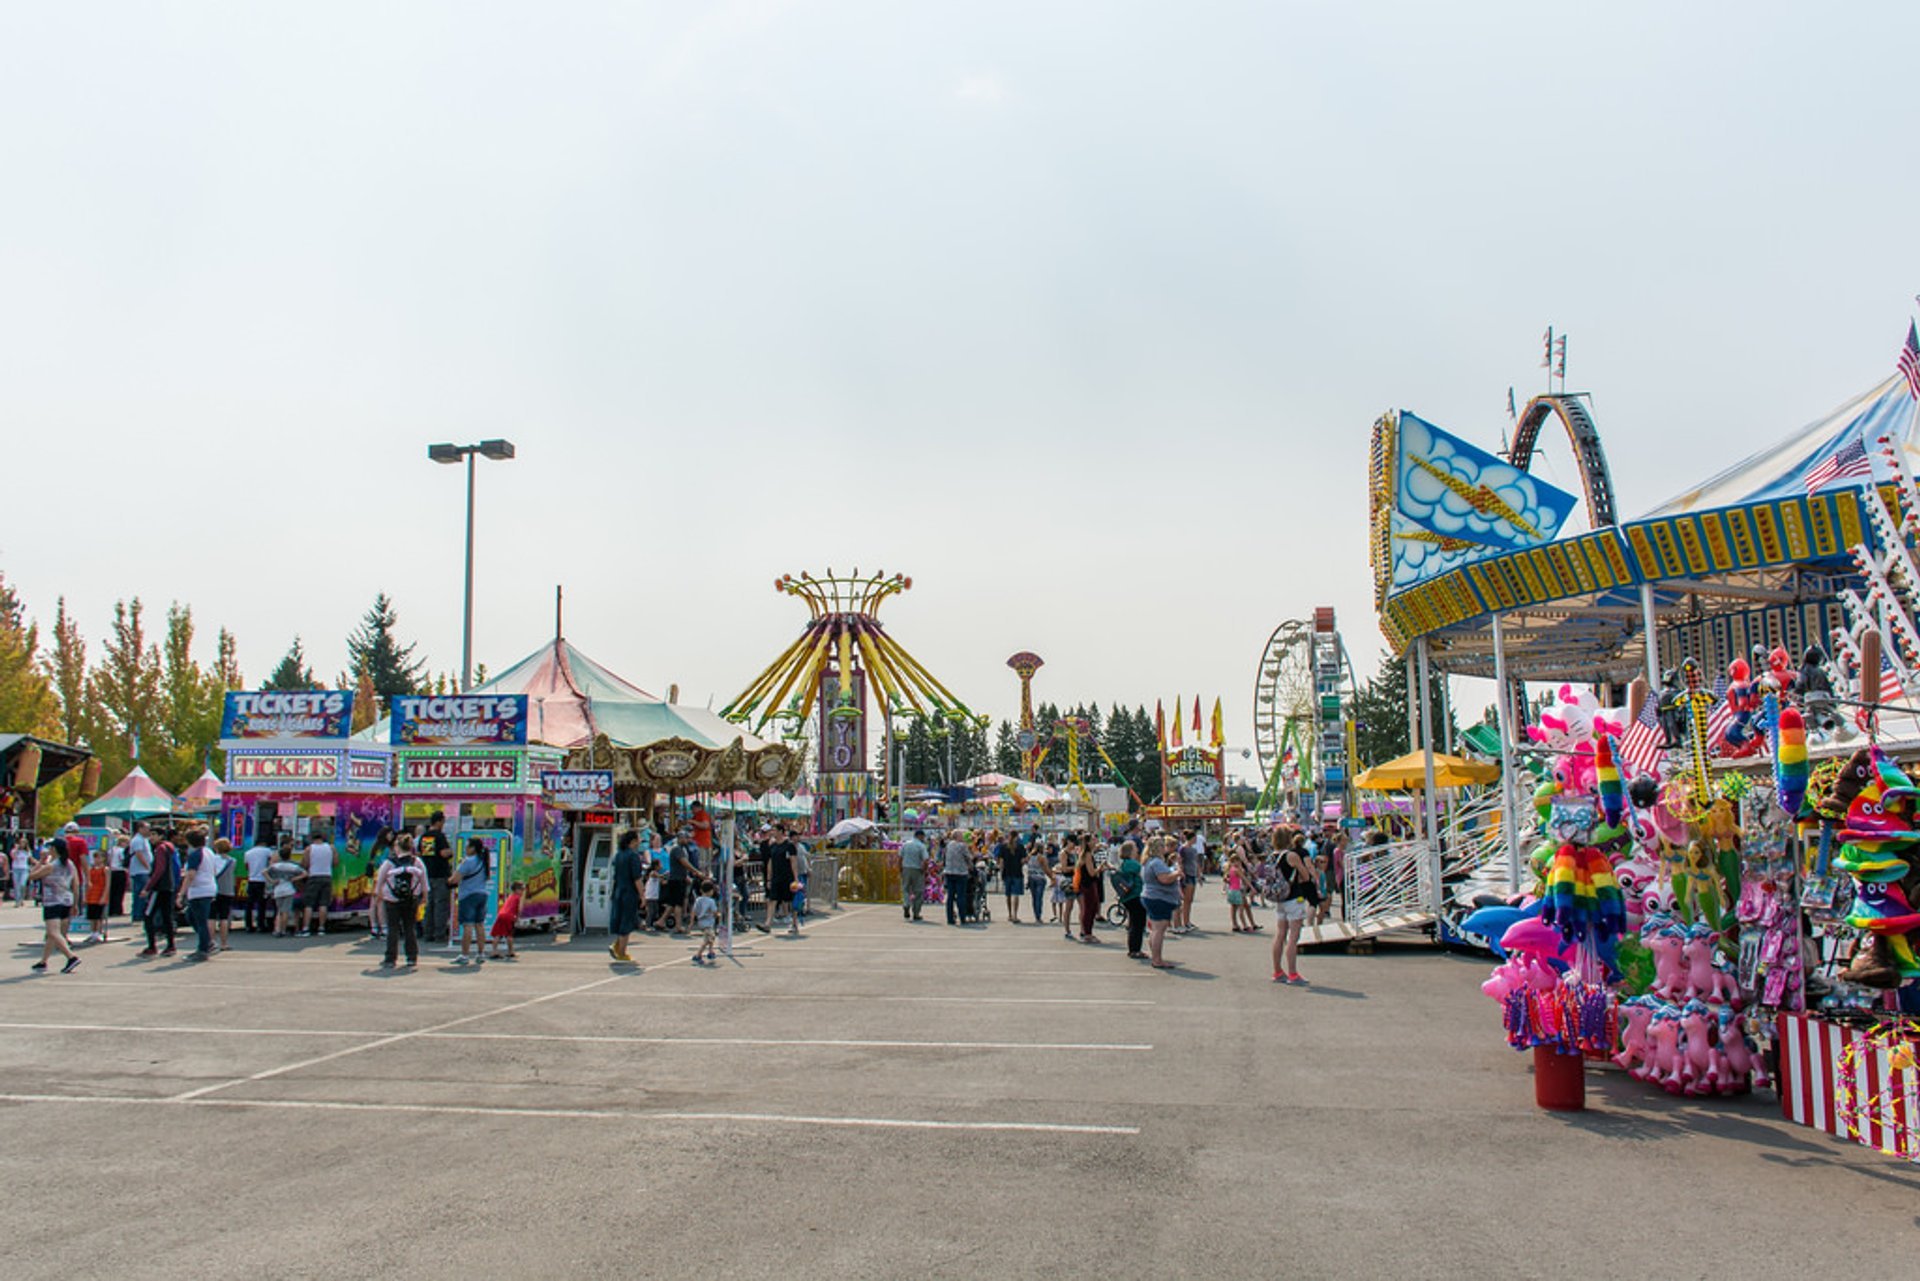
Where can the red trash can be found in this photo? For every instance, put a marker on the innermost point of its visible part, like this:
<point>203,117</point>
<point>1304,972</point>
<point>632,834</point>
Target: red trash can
<point>1559,1080</point>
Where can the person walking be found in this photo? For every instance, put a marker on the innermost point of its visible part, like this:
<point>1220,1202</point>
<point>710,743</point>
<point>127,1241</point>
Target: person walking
<point>1086,873</point>
<point>1160,894</point>
<point>139,867</point>
<point>956,867</point>
<point>21,859</point>
<point>1038,874</point>
<point>98,885</point>
<point>1126,884</point>
<point>401,886</point>
<point>913,875</point>
<point>1013,874</point>
<point>117,876</point>
<point>59,879</point>
<point>802,869</point>
<point>223,887</point>
<point>1296,878</point>
<point>1190,855</point>
<point>259,917</point>
<point>776,860</point>
<point>436,857</point>
<point>626,895</point>
<point>472,874</point>
<point>1065,896</point>
<point>1239,878</point>
<point>200,885</point>
<point>676,891</point>
<point>163,881</point>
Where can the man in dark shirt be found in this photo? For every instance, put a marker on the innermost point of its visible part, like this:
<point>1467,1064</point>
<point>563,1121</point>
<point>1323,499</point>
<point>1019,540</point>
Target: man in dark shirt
<point>778,854</point>
<point>439,864</point>
<point>673,894</point>
<point>162,883</point>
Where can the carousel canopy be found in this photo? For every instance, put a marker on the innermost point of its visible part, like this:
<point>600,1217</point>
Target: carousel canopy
<point>133,798</point>
<point>566,691</point>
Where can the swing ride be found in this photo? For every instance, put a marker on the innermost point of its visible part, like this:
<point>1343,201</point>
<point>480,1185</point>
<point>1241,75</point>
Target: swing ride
<point>825,676</point>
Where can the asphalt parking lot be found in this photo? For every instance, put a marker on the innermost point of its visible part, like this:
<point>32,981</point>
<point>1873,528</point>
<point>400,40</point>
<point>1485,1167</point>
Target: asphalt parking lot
<point>874,1099</point>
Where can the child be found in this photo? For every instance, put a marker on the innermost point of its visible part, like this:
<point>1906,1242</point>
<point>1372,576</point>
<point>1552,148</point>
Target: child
<point>97,878</point>
<point>651,895</point>
<point>802,869</point>
<point>706,919</point>
<point>285,876</point>
<point>503,922</point>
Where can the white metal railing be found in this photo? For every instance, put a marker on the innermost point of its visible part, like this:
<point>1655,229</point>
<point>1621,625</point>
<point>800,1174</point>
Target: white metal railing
<point>1473,837</point>
<point>1388,880</point>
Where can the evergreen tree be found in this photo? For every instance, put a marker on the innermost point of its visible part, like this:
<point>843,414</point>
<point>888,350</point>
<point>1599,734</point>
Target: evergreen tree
<point>919,761</point>
<point>293,672</point>
<point>372,649</point>
<point>1380,714</point>
<point>1006,752</point>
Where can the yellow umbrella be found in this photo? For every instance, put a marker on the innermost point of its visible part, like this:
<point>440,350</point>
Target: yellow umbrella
<point>1409,773</point>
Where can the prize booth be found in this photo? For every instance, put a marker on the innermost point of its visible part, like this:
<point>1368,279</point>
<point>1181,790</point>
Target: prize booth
<point>467,757</point>
<point>293,770</point>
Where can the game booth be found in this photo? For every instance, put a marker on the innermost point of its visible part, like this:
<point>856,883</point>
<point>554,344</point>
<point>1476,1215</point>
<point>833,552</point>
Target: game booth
<point>28,765</point>
<point>1712,820</point>
<point>294,769</point>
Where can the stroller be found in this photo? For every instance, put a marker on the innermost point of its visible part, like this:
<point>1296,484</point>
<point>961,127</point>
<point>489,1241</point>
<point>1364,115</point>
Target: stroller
<point>979,904</point>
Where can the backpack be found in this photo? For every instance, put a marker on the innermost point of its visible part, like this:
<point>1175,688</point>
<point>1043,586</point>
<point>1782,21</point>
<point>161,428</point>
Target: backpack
<point>400,881</point>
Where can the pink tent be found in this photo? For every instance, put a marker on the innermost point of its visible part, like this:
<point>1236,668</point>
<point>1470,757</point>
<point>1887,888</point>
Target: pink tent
<point>203,793</point>
<point>561,685</point>
<point>134,797</point>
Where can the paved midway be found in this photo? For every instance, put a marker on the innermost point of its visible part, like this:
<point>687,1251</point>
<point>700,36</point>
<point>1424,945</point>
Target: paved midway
<point>876,1099</point>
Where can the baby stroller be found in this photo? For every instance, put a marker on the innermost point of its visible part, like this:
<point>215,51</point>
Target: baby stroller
<point>979,906</point>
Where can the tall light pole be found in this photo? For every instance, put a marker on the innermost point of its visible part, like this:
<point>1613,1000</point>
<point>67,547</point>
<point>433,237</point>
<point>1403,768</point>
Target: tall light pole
<point>500,451</point>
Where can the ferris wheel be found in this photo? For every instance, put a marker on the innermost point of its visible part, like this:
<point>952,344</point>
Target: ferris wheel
<point>1303,696</point>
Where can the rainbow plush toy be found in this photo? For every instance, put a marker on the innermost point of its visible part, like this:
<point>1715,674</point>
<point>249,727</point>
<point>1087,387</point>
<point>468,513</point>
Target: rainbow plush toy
<point>1613,793</point>
<point>1583,901</point>
<point>1790,763</point>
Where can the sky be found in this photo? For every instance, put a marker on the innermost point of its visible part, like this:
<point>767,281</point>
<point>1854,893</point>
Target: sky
<point>1079,313</point>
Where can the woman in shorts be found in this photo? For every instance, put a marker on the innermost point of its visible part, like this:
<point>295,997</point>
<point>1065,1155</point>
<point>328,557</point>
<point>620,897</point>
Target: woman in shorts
<point>1160,895</point>
<point>59,880</point>
<point>1298,882</point>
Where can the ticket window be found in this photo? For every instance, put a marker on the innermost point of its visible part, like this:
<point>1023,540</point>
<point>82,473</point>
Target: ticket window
<point>304,821</point>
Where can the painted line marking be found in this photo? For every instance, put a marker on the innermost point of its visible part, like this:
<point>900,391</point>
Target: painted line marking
<point>588,1114</point>
<point>588,1039</point>
<point>907,1000</point>
<point>397,1037</point>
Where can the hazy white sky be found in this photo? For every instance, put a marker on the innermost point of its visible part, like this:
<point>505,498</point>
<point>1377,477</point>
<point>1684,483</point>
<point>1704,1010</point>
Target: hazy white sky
<point>1079,313</point>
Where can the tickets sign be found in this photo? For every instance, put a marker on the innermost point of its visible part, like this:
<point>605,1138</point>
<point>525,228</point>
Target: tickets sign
<point>467,771</point>
<point>460,720</point>
<point>276,713</point>
<point>577,789</point>
<point>260,768</point>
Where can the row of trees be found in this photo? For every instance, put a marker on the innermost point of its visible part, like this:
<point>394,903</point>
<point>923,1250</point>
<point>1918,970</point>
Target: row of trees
<point>144,696</point>
<point>933,756</point>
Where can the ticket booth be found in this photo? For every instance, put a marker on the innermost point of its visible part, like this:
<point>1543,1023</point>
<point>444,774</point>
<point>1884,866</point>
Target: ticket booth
<point>466,757</point>
<point>292,770</point>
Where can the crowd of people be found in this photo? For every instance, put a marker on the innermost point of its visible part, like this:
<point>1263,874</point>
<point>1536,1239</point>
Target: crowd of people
<point>673,887</point>
<point>184,875</point>
<point>1151,877</point>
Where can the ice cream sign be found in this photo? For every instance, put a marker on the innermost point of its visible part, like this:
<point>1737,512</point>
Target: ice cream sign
<point>460,720</point>
<point>309,713</point>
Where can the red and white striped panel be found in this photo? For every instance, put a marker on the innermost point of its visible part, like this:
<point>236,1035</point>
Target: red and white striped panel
<point>1885,1100</point>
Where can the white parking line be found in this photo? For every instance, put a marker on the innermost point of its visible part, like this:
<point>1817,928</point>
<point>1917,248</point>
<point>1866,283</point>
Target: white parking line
<point>893,998</point>
<point>588,1039</point>
<point>397,1037</point>
<point>588,1114</point>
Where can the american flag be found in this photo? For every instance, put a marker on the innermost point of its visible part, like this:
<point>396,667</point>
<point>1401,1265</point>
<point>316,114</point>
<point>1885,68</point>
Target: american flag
<point>1849,462</point>
<point>1909,361</point>
<point>1639,747</point>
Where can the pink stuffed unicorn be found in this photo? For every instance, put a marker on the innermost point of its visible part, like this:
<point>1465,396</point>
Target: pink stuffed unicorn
<point>1699,1065</point>
<point>1635,1015</point>
<point>1704,980</point>
<point>1665,940</point>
